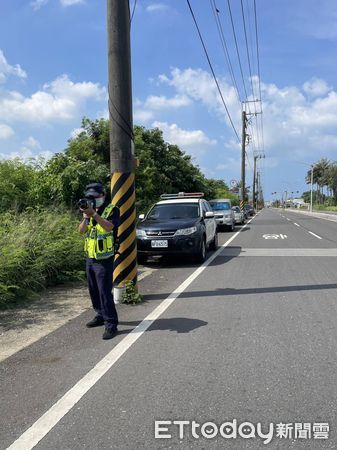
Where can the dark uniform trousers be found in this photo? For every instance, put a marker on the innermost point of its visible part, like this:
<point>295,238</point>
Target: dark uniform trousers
<point>99,275</point>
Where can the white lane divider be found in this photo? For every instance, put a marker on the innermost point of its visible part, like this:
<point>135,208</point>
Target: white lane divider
<point>31,437</point>
<point>316,235</point>
<point>296,224</point>
<point>288,219</point>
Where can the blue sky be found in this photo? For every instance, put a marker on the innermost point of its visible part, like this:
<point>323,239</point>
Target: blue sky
<point>53,71</point>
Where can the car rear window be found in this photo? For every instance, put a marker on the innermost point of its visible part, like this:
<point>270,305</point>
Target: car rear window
<point>220,205</point>
<point>174,211</point>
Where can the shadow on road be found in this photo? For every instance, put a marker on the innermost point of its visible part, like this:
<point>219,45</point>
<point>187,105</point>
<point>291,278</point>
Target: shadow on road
<point>219,292</point>
<point>178,324</point>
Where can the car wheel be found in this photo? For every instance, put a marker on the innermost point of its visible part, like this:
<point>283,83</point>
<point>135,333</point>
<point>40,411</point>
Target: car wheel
<point>201,255</point>
<point>214,243</point>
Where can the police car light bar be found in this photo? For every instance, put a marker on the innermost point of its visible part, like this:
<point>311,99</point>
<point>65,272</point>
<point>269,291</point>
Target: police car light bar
<point>182,195</point>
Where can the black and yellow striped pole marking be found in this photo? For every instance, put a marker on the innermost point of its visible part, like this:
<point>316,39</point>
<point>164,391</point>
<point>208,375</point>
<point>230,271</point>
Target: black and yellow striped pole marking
<point>123,196</point>
<point>242,204</point>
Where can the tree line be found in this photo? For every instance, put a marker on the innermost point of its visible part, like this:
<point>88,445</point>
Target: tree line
<point>163,167</point>
<point>324,183</point>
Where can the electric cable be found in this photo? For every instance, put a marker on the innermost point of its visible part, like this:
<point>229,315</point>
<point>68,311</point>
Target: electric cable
<point>212,70</point>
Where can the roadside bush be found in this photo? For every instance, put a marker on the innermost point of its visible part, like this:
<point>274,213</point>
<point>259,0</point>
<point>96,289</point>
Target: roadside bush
<point>38,249</point>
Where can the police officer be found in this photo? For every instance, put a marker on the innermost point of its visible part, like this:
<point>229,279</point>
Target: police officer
<point>100,223</point>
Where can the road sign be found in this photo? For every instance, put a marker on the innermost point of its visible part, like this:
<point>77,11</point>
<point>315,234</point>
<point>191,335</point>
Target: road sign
<point>233,183</point>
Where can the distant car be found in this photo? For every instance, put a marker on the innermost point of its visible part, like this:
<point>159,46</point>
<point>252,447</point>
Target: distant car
<point>249,209</point>
<point>179,224</point>
<point>223,213</point>
<point>239,215</point>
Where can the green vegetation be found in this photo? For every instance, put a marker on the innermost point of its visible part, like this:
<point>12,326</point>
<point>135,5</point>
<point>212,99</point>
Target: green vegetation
<point>40,245</point>
<point>38,248</point>
<point>325,184</point>
<point>131,295</point>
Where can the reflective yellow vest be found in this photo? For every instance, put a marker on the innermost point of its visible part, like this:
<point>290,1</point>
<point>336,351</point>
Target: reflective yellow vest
<point>99,244</point>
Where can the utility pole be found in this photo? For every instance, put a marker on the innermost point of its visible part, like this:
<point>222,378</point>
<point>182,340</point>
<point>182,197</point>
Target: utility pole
<point>243,160</point>
<point>243,153</point>
<point>255,190</point>
<point>254,182</point>
<point>311,183</point>
<point>122,159</point>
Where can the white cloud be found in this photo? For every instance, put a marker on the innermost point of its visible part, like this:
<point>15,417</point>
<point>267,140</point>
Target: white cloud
<point>316,87</point>
<point>60,100</point>
<point>7,69</point>
<point>161,102</point>
<point>184,138</point>
<point>26,154</point>
<point>298,126</point>
<point>154,7</point>
<point>142,116</point>
<point>71,2</point>
<point>32,143</point>
<point>37,4</point>
<point>5,131</point>
<point>76,132</point>
<point>199,85</point>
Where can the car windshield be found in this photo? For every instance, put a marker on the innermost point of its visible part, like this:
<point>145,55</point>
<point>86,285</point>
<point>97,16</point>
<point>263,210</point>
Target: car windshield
<point>174,211</point>
<point>219,205</point>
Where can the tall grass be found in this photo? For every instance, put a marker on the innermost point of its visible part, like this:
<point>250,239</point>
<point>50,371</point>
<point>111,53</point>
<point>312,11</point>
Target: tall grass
<point>37,249</point>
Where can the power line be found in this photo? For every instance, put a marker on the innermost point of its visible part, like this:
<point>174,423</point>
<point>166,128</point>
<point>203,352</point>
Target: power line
<point>239,59</point>
<point>251,41</point>
<point>133,10</point>
<point>249,67</point>
<point>212,70</point>
<point>216,13</point>
<point>258,70</point>
<point>237,47</point>
<point>248,57</point>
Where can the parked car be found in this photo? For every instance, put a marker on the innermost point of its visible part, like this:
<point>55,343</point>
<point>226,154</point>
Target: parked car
<point>238,215</point>
<point>179,224</point>
<point>249,209</point>
<point>223,213</point>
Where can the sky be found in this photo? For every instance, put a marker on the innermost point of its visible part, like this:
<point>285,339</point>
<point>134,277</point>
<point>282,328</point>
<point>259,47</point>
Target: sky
<point>53,71</point>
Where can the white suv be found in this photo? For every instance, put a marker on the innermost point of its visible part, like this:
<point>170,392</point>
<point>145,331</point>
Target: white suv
<point>223,213</point>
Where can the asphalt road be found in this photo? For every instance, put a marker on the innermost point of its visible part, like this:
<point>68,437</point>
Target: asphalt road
<point>251,337</point>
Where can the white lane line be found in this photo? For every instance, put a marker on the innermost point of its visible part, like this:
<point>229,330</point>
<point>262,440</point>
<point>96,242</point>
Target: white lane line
<point>296,224</point>
<point>31,437</point>
<point>316,235</point>
<point>288,219</point>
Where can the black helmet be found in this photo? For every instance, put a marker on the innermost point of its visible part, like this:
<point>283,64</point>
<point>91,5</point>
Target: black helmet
<point>94,190</point>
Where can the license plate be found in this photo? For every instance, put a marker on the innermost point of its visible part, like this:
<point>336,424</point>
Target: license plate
<point>159,243</point>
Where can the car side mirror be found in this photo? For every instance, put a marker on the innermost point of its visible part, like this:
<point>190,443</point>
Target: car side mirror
<point>209,215</point>
<point>141,216</point>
